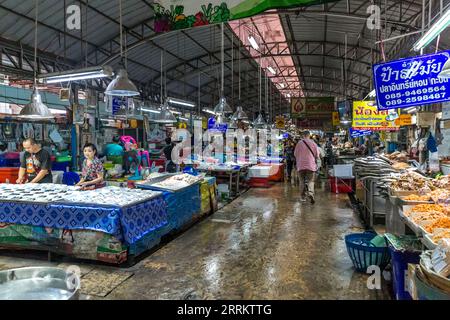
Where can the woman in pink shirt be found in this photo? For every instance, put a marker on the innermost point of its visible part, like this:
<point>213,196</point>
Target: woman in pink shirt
<point>306,154</point>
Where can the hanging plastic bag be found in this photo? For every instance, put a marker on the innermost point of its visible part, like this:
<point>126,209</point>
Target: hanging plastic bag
<point>434,162</point>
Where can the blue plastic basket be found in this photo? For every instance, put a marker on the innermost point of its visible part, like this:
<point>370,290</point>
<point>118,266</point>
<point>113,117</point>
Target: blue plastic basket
<point>365,254</point>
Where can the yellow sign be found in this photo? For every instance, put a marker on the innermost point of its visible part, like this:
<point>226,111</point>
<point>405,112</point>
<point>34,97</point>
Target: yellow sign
<point>280,122</point>
<point>404,120</point>
<point>336,120</point>
<point>367,117</point>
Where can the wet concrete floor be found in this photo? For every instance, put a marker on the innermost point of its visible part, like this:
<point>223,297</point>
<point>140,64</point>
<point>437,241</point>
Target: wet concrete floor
<point>264,245</point>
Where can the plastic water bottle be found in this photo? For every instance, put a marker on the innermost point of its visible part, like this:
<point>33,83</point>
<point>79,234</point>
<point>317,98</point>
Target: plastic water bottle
<point>7,181</point>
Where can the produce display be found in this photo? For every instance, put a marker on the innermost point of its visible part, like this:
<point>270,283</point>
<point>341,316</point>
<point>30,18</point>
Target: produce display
<point>58,193</point>
<point>375,167</point>
<point>442,222</point>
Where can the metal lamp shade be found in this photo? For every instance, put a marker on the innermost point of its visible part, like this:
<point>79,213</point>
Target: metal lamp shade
<point>233,124</point>
<point>165,116</point>
<point>122,86</point>
<point>36,109</point>
<point>222,107</point>
<point>445,73</point>
<point>222,119</point>
<point>260,123</point>
<point>239,114</point>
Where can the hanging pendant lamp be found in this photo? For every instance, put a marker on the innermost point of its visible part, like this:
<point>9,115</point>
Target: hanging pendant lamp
<point>36,109</point>
<point>445,73</point>
<point>121,85</point>
<point>222,108</point>
<point>165,116</point>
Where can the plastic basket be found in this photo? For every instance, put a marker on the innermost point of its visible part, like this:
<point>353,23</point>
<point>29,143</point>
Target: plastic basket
<point>427,292</point>
<point>364,254</point>
<point>403,250</point>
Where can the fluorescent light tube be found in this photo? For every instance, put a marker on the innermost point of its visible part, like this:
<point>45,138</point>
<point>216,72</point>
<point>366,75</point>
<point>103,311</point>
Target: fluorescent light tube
<point>57,111</point>
<point>181,102</point>
<point>183,118</point>
<point>150,110</point>
<point>253,42</point>
<point>80,74</point>
<point>271,70</point>
<point>434,31</point>
<point>209,111</point>
<point>175,111</point>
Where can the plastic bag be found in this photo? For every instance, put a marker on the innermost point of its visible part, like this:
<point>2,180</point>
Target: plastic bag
<point>434,162</point>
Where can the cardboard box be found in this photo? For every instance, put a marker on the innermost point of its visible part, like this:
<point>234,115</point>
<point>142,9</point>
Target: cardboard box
<point>426,119</point>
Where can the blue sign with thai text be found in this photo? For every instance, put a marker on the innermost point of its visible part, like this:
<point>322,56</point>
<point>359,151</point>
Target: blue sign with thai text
<point>411,82</point>
<point>214,126</point>
<point>359,133</point>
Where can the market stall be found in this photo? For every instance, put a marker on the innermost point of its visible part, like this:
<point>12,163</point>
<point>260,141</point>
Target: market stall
<point>181,193</point>
<point>109,224</point>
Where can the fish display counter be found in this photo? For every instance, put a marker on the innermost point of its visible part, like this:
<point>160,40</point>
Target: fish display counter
<point>110,224</point>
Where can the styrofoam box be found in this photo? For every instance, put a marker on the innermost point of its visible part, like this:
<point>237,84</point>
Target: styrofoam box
<point>343,170</point>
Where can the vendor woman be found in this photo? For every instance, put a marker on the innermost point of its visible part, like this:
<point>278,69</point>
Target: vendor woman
<point>92,171</point>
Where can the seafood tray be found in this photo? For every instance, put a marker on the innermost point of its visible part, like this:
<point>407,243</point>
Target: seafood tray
<point>428,241</point>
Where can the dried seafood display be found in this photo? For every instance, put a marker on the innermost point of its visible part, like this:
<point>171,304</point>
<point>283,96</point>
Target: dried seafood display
<point>413,181</point>
<point>178,181</point>
<point>440,195</point>
<point>414,197</point>
<point>440,234</point>
<point>440,223</point>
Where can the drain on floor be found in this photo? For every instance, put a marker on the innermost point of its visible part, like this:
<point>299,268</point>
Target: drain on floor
<point>191,295</point>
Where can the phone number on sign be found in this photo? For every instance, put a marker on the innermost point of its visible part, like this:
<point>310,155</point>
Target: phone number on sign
<point>423,98</point>
<point>414,92</point>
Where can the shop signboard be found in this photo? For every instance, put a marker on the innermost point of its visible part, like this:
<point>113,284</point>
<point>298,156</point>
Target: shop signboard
<point>354,133</point>
<point>411,82</point>
<point>214,126</point>
<point>310,123</point>
<point>315,106</point>
<point>335,119</point>
<point>280,122</point>
<point>181,14</point>
<point>404,120</point>
<point>368,117</point>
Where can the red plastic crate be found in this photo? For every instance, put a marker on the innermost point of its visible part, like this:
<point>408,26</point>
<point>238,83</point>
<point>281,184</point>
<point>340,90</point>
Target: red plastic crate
<point>259,183</point>
<point>10,174</point>
<point>339,185</point>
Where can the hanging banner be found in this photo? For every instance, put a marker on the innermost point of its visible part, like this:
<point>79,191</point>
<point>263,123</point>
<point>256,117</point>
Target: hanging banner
<point>181,14</point>
<point>411,82</point>
<point>316,107</point>
<point>354,133</point>
<point>366,117</point>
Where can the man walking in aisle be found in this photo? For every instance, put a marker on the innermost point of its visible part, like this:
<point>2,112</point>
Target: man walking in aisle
<point>306,154</point>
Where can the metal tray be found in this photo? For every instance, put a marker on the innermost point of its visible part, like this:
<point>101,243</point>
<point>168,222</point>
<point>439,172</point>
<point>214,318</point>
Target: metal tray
<point>38,283</point>
<point>428,242</point>
<point>414,227</point>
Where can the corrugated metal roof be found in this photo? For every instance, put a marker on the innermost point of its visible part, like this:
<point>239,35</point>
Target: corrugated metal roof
<point>333,23</point>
